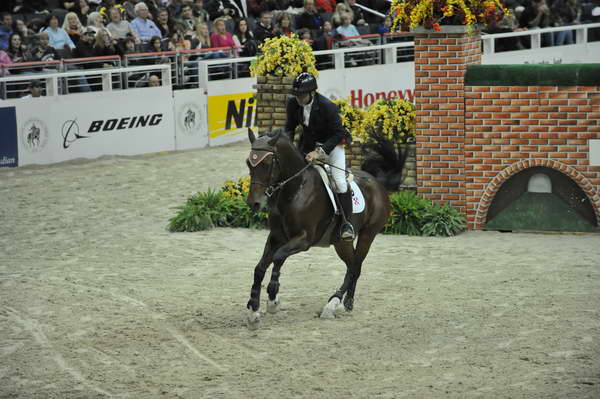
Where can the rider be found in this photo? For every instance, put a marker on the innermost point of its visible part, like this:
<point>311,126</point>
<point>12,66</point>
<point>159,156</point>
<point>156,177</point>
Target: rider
<point>323,137</point>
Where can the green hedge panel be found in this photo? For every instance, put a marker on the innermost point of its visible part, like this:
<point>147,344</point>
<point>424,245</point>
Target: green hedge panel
<point>533,75</point>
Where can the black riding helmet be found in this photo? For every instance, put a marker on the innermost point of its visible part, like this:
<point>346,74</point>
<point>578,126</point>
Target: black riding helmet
<point>304,83</point>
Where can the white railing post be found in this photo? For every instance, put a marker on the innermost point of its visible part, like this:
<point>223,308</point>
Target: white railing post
<point>581,35</point>
<point>488,45</point>
<point>106,80</point>
<point>339,60</point>
<point>202,75</point>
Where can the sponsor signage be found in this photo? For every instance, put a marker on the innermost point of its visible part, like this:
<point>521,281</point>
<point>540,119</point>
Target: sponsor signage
<point>9,141</point>
<point>191,123</point>
<point>88,126</point>
<point>232,110</point>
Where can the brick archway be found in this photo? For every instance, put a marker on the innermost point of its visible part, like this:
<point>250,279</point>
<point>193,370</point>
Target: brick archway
<point>492,188</point>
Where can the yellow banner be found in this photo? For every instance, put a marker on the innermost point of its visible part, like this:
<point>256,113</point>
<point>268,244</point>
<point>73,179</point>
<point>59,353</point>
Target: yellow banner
<point>231,114</point>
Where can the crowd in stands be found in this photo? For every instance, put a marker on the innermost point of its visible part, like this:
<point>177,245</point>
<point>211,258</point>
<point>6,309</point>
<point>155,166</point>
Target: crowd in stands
<point>43,30</point>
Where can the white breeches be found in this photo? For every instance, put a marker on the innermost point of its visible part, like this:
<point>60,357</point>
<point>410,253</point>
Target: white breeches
<point>337,157</point>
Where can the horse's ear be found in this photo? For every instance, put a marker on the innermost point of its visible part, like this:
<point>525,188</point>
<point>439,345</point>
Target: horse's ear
<point>251,136</point>
<point>274,139</point>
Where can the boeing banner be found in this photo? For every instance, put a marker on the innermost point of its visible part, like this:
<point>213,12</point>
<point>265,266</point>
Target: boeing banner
<point>9,151</point>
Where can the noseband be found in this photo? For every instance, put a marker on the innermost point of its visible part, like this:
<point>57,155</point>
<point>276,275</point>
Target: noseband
<point>257,155</point>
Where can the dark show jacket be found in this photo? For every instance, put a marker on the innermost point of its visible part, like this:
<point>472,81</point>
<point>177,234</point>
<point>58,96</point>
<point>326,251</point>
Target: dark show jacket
<point>324,124</point>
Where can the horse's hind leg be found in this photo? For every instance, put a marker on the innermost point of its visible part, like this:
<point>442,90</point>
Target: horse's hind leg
<point>365,239</point>
<point>345,251</point>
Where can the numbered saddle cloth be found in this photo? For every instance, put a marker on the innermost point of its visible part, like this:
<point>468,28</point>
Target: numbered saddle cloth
<point>358,199</point>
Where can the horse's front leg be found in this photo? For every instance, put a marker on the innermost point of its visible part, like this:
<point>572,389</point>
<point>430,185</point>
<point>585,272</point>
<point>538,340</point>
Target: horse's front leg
<point>259,274</point>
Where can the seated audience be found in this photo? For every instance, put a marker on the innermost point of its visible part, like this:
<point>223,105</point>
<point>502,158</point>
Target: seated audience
<point>200,12</point>
<point>43,51</point>
<point>73,27</point>
<point>16,49</point>
<point>220,37</point>
<point>165,23</point>
<point>245,39</point>
<point>85,47</point>
<point>188,21</point>
<point>310,18</point>
<point>283,25</point>
<point>35,89</point>
<point>340,10</point>
<point>565,12</point>
<point>96,21</point>
<point>257,7</point>
<point>6,29</point>
<point>263,29</point>
<point>105,45</point>
<point>142,25</point>
<point>119,28</point>
<point>325,5</point>
<point>357,12</point>
<point>59,39</point>
<point>202,39</point>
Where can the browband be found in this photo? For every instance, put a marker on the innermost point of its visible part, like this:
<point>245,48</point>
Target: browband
<point>257,156</point>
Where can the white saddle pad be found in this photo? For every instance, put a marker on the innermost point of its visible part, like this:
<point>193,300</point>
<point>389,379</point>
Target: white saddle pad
<point>358,200</point>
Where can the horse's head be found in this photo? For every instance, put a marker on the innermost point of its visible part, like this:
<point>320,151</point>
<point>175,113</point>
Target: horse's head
<point>265,168</point>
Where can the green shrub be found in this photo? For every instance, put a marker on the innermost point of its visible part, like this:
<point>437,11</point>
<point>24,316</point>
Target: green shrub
<point>209,209</point>
<point>413,215</point>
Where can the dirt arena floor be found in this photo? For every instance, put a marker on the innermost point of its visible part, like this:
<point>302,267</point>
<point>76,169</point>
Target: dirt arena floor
<point>98,300</point>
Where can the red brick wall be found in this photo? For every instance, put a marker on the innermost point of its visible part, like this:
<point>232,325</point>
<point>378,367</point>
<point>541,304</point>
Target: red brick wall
<point>470,140</point>
<point>440,64</point>
<point>511,128</point>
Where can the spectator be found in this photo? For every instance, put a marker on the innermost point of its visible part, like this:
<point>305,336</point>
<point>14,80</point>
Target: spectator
<point>68,5</point>
<point>188,21</point>
<point>145,28</point>
<point>6,29</point>
<point>329,34</point>
<point>31,7</point>
<point>153,81</point>
<point>85,47</point>
<point>536,16</point>
<point>283,25</point>
<point>104,46</point>
<point>340,10</point>
<point>26,34</point>
<point>174,8</point>
<point>200,12</point>
<point>129,46</point>
<point>43,51</point>
<point>16,50</point>
<point>155,45</point>
<point>263,29</point>
<point>358,16</point>
<point>224,8</point>
<point>309,19</point>
<point>73,27</point>
<point>96,21</point>
<point>325,5</point>
<point>178,42</point>
<point>509,23</point>
<point>165,23</point>
<point>257,7</point>
<point>565,12</point>
<point>59,39</point>
<point>245,39</point>
<point>386,27</point>
<point>202,37</point>
<point>346,29</point>
<point>4,61</point>
<point>35,89</point>
<point>220,37</point>
<point>119,28</point>
<point>82,9</point>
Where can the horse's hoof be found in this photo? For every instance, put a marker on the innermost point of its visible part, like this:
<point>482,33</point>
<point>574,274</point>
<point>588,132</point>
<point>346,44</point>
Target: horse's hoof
<point>273,306</point>
<point>330,309</point>
<point>253,319</point>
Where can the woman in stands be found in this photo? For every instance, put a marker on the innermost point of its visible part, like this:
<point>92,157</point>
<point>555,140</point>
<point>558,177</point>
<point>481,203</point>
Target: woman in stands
<point>283,25</point>
<point>202,37</point>
<point>105,45</point>
<point>72,25</point>
<point>57,36</point>
<point>244,38</point>
<point>220,37</point>
<point>340,10</point>
<point>16,50</point>
<point>96,22</point>
<point>119,28</point>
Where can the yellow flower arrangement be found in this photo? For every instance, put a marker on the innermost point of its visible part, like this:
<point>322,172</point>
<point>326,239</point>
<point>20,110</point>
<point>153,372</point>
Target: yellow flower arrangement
<point>431,14</point>
<point>390,119</point>
<point>284,56</point>
<point>237,189</point>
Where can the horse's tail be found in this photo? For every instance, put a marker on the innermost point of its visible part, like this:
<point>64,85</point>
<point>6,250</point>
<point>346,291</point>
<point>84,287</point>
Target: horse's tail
<point>385,161</point>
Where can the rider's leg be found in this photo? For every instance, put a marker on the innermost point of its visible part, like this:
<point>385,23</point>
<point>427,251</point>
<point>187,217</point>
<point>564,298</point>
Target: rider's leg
<point>337,157</point>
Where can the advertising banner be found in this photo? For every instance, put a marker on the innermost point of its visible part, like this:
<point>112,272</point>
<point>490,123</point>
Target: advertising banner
<point>231,110</point>
<point>9,150</point>
<point>191,119</point>
<point>88,125</point>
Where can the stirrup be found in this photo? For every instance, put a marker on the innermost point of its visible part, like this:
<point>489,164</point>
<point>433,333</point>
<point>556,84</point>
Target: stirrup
<point>347,232</point>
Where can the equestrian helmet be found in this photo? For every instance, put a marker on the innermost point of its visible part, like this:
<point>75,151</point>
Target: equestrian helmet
<point>304,83</point>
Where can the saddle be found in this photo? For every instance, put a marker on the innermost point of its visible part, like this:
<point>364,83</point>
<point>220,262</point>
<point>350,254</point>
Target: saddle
<point>358,199</point>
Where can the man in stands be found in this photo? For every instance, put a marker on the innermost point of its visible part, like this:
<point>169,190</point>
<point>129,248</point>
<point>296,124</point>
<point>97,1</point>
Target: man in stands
<point>143,26</point>
<point>6,29</point>
<point>43,51</point>
<point>188,21</point>
<point>35,89</point>
<point>310,18</point>
<point>264,29</point>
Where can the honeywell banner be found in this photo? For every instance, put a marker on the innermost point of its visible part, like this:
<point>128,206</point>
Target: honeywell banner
<point>231,110</point>
<point>91,125</point>
<point>191,121</point>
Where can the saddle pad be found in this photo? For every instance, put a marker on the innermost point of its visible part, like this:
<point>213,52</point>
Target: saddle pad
<point>358,200</point>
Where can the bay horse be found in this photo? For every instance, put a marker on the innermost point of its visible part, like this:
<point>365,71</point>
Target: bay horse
<point>300,216</point>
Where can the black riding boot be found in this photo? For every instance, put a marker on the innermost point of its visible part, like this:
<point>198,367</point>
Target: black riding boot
<point>347,230</point>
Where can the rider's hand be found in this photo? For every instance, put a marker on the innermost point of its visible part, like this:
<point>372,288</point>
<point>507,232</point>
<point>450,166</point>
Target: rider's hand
<point>312,156</point>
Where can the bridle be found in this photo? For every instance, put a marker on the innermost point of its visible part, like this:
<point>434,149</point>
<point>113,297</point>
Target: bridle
<point>257,155</point>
